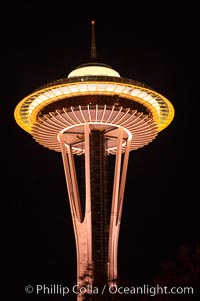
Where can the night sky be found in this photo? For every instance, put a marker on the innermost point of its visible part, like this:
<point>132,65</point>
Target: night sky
<point>160,211</point>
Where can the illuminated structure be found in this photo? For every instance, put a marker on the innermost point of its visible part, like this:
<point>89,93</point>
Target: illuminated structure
<point>95,112</point>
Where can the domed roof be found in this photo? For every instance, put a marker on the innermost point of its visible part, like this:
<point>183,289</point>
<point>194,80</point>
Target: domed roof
<point>96,69</point>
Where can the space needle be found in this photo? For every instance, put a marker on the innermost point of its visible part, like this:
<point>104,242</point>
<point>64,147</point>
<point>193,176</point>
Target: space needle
<point>94,114</point>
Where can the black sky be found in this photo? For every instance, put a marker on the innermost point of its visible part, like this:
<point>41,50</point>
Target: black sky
<point>160,211</point>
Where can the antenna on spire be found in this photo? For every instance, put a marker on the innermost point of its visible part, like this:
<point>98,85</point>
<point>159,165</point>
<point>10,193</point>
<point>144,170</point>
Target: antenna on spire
<point>93,44</point>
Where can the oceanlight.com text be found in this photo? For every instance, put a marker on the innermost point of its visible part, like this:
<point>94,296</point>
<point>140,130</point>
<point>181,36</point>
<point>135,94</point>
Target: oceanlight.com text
<point>58,289</point>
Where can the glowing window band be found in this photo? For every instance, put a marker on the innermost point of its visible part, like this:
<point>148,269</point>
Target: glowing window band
<point>28,109</point>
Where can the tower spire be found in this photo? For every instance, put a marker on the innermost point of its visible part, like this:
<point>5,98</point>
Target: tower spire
<point>93,44</point>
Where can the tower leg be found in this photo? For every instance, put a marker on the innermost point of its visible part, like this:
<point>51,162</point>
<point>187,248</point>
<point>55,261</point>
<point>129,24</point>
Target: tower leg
<point>116,210</point>
<point>81,223</point>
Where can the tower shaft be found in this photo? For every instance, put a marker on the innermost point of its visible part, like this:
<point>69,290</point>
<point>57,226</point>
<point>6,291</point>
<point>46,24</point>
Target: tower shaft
<point>100,205</point>
<point>97,228</point>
